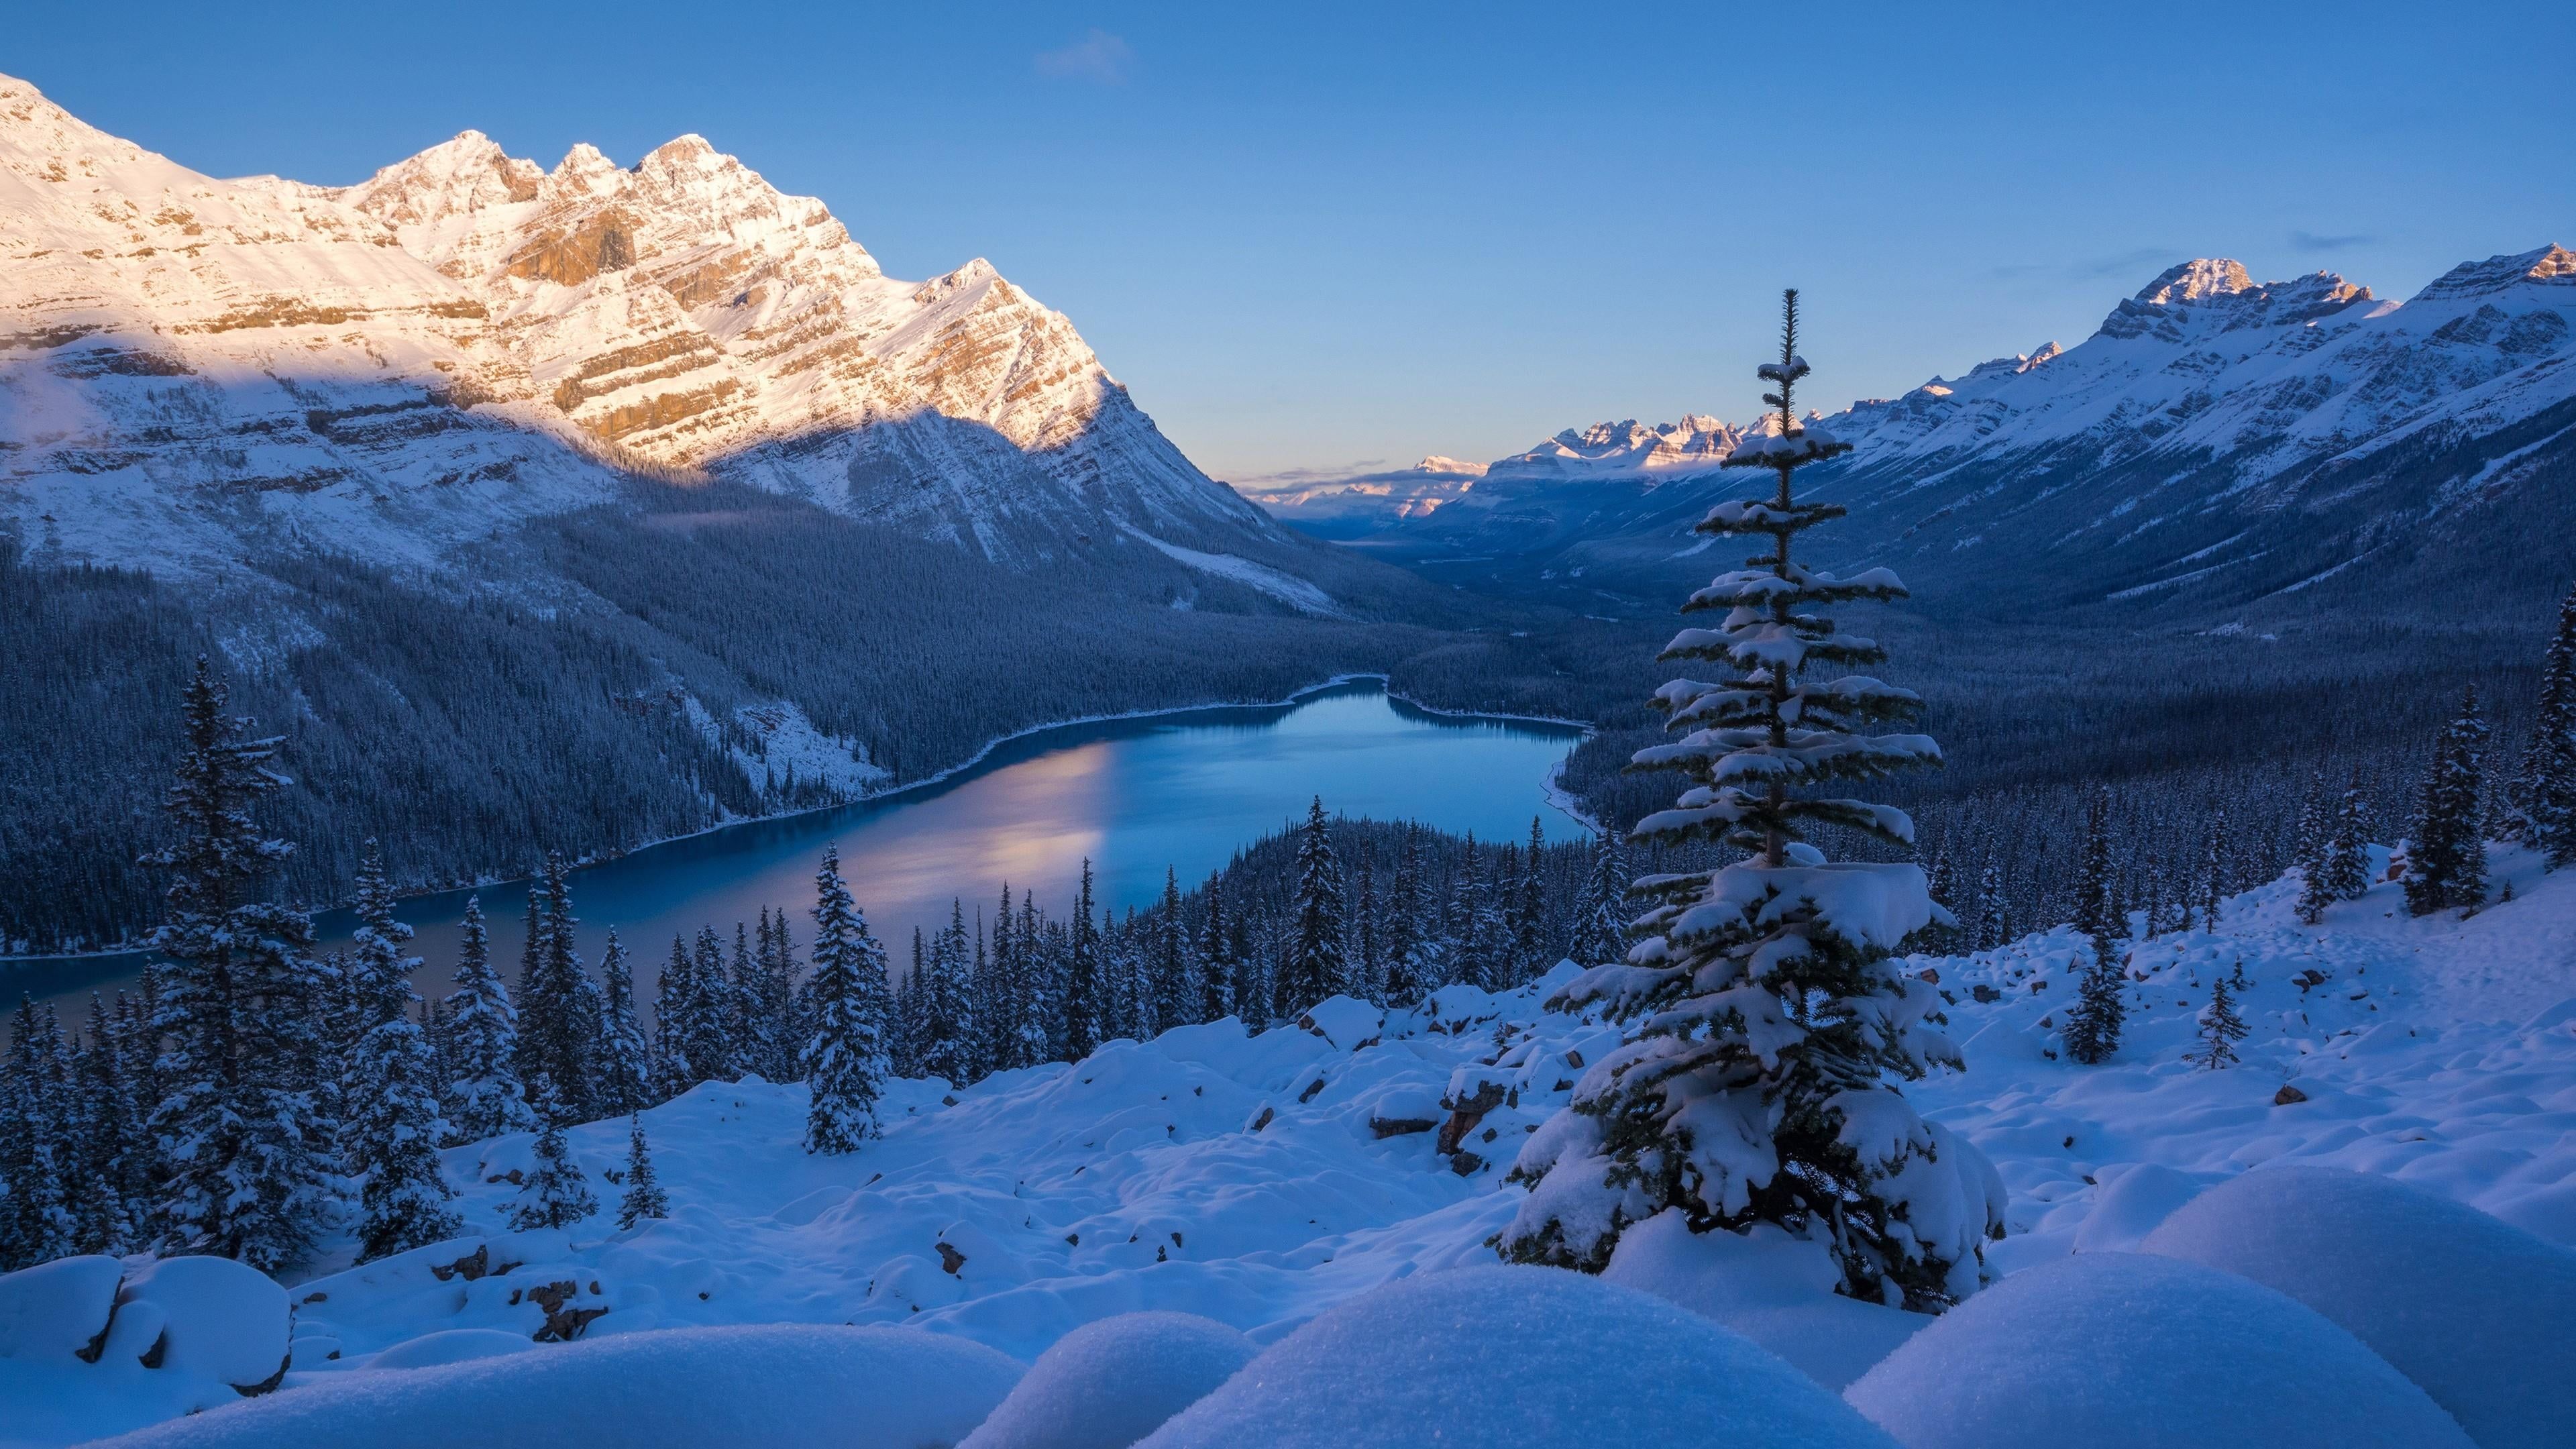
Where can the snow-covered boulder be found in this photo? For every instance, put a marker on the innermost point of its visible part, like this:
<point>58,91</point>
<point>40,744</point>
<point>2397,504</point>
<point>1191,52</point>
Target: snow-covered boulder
<point>2479,1312</point>
<point>1775,1289</point>
<point>1345,1021</point>
<point>1496,1355</point>
<point>451,1345</point>
<point>57,1310</point>
<point>211,1318</point>
<point>2131,1204</point>
<point>1108,1384</point>
<point>89,1348</point>
<point>2129,1351</point>
<point>682,1388</point>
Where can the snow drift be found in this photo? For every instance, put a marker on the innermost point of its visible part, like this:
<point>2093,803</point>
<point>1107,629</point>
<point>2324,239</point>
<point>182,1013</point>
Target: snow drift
<point>2121,1349</point>
<point>1515,1355</point>
<point>2480,1313</point>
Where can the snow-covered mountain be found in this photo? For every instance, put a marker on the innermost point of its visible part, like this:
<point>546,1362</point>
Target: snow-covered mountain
<point>2215,440</point>
<point>466,338</point>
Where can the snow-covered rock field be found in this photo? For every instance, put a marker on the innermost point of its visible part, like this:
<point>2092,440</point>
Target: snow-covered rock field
<point>2164,1280</point>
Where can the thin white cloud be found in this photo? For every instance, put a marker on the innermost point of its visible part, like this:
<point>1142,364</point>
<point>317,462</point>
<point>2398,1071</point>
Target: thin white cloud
<point>1099,57</point>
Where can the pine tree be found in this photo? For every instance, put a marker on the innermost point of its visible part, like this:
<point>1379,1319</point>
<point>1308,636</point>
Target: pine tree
<point>244,1146</point>
<point>2346,870</point>
<point>644,1197</point>
<point>845,1060</point>
<point>2213,872</point>
<point>1991,927</point>
<point>947,1014</point>
<point>2446,861</point>
<point>1086,989</point>
<point>2220,1027</point>
<point>624,1071</point>
<point>1600,926</point>
<point>2546,794</point>
<point>1217,966</point>
<point>485,1096</point>
<point>2093,871</point>
<point>1317,966</point>
<point>1368,966</point>
<point>557,1194</point>
<point>741,1007</point>
<point>1766,1013</point>
<point>36,1221</point>
<point>559,1009</point>
<point>2100,1012</point>
<point>1177,996</point>
<point>390,1138</point>
<point>1400,934</point>
<point>1529,938</point>
<point>114,1165</point>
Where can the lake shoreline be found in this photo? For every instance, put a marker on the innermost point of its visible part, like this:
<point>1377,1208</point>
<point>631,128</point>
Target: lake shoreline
<point>1550,794</point>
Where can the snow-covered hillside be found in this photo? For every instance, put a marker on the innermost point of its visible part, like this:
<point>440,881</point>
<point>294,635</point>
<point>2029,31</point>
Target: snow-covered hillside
<point>193,368</point>
<point>1262,1181</point>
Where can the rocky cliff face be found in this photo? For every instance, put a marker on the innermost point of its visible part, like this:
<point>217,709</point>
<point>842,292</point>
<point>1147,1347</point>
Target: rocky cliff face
<point>466,338</point>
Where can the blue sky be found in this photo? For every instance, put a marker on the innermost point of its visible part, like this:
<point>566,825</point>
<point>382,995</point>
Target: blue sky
<point>1335,237</point>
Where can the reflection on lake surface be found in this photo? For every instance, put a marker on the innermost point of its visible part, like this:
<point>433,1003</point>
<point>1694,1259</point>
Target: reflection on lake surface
<point>1181,790</point>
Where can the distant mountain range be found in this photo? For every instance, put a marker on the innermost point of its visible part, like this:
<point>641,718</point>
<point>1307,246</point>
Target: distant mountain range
<point>2217,444</point>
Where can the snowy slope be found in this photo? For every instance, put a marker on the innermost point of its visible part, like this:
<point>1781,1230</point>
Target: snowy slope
<point>1260,1180</point>
<point>194,369</point>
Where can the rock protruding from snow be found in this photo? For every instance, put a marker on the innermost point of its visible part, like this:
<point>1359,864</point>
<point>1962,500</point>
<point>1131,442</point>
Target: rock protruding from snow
<point>2128,1351</point>
<point>2480,1313</point>
<point>686,1388</point>
<point>1514,1356</point>
<point>1108,1384</point>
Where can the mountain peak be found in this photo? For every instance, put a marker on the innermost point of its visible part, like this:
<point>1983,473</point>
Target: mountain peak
<point>2196,279</point>
<point>2551,265</point>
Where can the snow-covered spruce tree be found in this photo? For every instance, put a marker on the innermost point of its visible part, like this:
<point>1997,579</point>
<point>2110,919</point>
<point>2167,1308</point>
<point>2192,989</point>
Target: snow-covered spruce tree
<point>113,1163</point>
<point>485,1097</point>
<point>2545,796</point>
<point>392,1127</point>
<point>947,1049</point>
<point>2093,871</point>
<point>246,1152</point>
<point>2446,862</point>
<point>1367,963</point>
<point>1216,956</point>
<point>2213,871</point>
<point>1529,899</point>
<point>1767,1016</point>
<point>1600,926</point>
<point>1085,1002</point>
<point>2220,1027</point>
<point>624,1071</point>
<point>1176,987</point>
<point>1992,928</point>
<point>644,1197</point>
<point>559,1010</point>
<point>2094,1022</point>
<point>2347,851</point>
<point>1318,965</point>
<point>36,1221</point>
<point>845,1060</point>
<point>557,1194</point>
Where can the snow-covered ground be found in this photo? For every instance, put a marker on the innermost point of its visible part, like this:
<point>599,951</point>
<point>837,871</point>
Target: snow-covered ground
<point>1269,1182</point>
